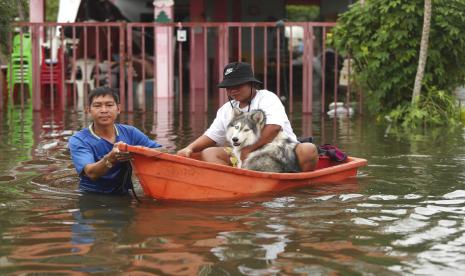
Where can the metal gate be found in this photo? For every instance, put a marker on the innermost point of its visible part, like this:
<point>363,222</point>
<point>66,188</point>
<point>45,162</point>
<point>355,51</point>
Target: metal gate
<point>68,59</point>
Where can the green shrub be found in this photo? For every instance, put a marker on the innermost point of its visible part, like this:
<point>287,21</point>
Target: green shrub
<point>435,108</point>
<point>383,37</point>
<point>297,13</point>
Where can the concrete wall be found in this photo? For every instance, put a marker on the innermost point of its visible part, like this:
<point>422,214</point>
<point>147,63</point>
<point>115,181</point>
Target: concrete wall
<point>329,9</point>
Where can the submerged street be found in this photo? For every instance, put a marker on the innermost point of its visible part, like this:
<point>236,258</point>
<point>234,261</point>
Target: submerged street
<point>402,214</point>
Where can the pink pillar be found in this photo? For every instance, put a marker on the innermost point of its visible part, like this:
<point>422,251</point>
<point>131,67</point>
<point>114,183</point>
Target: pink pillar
<point>307,70</point>
<point>219,15</point>
<point>223,57</point>
<point>36,14</point>
<point>163,11</point>
<point>198,57</point>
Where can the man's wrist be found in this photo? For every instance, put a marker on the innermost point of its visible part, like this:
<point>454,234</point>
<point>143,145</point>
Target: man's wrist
<point>108,163</point>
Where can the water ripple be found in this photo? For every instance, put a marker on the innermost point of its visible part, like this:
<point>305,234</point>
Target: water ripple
<point>406,225</point>
<point>383,197</point>
<point>446,202</point>
<point>434,234</point>
<point>350,196</point>
<point>364,221</point>
<point>412,196</point>
<point>425,211</point>
<point>455,194</point>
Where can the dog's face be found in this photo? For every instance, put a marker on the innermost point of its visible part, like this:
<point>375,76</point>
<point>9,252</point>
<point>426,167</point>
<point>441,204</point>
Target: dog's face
<point>245,128</point>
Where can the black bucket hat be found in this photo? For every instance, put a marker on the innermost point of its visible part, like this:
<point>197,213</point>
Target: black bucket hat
<point>237,73</point>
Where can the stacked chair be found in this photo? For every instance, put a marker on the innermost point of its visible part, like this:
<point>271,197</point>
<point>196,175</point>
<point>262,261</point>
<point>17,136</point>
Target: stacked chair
<point>20,69</point>
<point>51,71</point>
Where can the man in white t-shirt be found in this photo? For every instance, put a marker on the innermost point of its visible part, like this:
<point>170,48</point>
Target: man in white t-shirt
<point>240,84</point>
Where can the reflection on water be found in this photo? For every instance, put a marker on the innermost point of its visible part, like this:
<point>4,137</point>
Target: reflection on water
<point>403,214</point>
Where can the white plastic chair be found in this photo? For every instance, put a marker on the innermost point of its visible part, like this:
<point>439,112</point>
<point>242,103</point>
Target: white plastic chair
<point>86,67</point>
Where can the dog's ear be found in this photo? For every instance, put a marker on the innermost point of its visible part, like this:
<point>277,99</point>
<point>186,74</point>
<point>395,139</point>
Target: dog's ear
<point>236,112</point>
<point>258,116</point>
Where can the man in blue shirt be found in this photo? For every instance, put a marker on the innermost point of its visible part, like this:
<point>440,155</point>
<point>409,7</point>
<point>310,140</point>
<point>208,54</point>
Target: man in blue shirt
<point>102,168</point>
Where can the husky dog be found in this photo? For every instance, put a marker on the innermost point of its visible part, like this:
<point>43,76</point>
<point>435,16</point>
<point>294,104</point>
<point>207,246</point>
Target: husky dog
<point>277,156</point>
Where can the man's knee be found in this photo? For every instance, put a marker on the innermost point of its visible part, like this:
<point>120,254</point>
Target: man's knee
<point>307,154</point>
<point>307,149</point>
<point>209,153</point>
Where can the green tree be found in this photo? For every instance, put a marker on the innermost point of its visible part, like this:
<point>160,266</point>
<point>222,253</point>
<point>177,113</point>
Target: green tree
<point>383,37</point>
<point>51,10</point>
<point>302,13</point>
<point>9,10</point>
<point>423,52</point>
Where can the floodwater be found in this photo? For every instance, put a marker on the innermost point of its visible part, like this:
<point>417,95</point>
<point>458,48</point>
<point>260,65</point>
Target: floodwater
<point>403,213</point>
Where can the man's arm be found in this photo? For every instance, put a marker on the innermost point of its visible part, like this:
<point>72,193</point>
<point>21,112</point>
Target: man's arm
<point>98,169</point>
<point>269,132</point>
<point>199,144</point>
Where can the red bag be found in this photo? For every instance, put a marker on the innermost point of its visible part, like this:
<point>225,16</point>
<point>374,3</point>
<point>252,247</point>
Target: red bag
<point>334,153</point>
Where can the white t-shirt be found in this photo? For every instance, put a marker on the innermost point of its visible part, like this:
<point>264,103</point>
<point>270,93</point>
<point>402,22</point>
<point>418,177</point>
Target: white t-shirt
<point>264,100</point>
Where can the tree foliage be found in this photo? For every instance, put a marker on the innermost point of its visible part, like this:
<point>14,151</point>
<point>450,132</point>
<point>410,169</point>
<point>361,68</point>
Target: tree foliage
<point>383,37</point>
<point>51,12</point>
<point>297,13</point>
<point>9,10</point>
<point>12,9</point>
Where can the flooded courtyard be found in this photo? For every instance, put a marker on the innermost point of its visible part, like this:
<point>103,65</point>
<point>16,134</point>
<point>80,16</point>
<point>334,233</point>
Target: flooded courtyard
<point>403,213</point>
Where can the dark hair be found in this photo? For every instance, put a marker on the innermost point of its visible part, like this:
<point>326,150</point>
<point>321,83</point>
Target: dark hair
<point>103,91</point>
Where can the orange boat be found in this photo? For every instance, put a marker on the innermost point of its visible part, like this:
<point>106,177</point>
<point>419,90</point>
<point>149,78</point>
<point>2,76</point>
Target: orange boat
<point>165,176</point>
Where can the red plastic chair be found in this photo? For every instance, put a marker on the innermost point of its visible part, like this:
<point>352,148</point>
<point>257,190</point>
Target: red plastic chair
<point>51,71</point>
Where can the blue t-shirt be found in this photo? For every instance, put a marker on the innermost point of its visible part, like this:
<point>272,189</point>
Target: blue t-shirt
<point>87,148</point>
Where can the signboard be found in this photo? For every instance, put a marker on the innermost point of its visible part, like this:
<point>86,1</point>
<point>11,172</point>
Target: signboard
<point>181,35</point>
